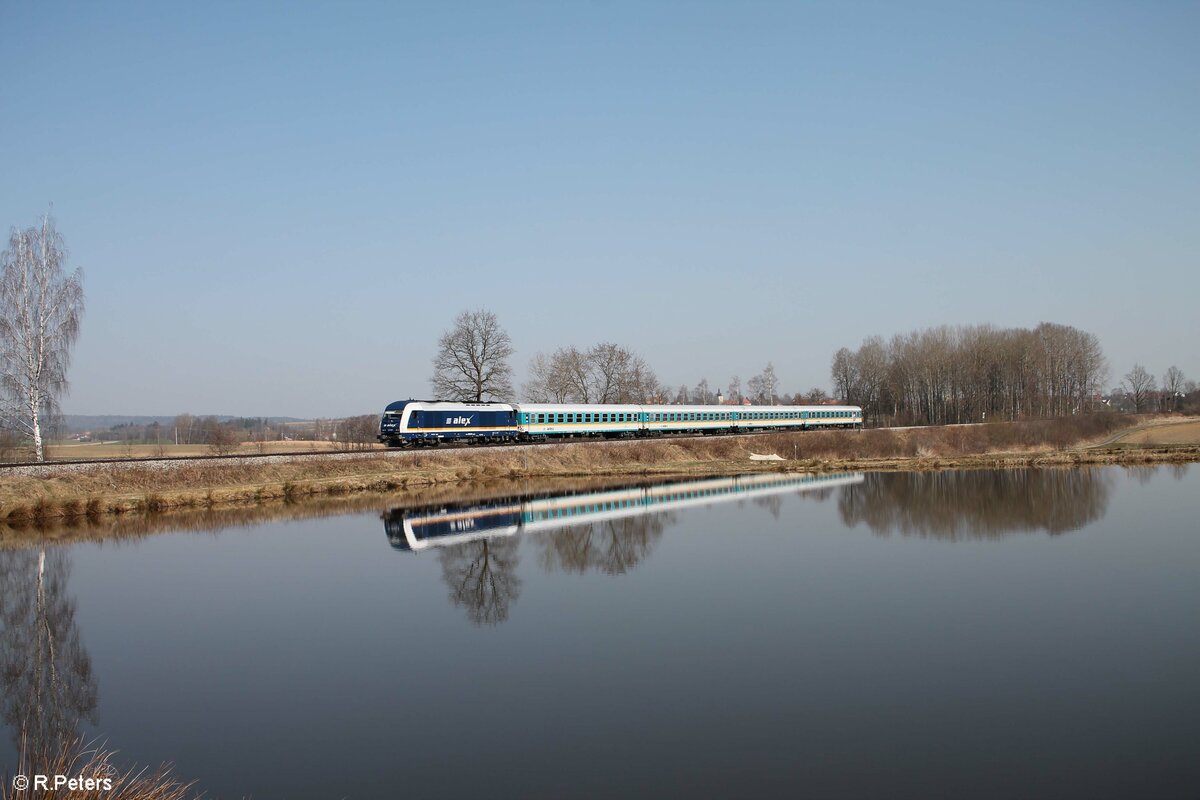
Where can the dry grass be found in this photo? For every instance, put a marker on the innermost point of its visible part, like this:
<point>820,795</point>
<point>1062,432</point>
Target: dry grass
<point>108,782</point>
<point>82,451</point>
<point>142,489</point>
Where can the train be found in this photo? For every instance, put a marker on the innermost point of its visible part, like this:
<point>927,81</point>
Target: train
<point>421,528</point>
<point>431,422</point>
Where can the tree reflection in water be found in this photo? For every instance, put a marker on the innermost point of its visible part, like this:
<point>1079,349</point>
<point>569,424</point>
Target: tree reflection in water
<point>49,688</point>
<point>977,505</point>
<point>612,547</point>
<point>482,578</point>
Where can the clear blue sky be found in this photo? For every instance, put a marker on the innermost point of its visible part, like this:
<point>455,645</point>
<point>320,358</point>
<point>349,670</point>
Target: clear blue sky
<point>278,207</point>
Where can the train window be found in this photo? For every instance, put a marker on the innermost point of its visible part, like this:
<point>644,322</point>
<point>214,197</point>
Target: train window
<point>541,417</point>
<point>560,417</point>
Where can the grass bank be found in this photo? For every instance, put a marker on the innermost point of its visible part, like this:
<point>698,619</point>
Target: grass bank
<point>102,491</point>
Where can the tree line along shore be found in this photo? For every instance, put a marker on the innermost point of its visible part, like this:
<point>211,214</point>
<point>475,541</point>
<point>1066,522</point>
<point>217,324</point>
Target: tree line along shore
<point>62,495</point>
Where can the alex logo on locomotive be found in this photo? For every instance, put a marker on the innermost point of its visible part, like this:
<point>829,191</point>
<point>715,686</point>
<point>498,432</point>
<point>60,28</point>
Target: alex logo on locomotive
<point>458,420</point>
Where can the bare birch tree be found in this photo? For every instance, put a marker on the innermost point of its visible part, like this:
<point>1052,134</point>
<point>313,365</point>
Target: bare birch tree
<point>472,360</point>
<point>40,311</point>
<point>763,387</point>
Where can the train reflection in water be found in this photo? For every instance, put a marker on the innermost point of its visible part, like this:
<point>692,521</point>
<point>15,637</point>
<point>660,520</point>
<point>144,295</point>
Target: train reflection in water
<point>417,529</point>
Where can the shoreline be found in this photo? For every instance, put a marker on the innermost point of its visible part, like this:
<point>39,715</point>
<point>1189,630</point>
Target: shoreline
<point>65,496</point>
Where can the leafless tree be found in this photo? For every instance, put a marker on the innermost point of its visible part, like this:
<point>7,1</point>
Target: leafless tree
<point>608,363</point>
<point>846,381</point>
<point>1173,383</point>
<point>40,311</point>
<point>815,396</point>
<point>575,371</point>
<point>357,433</point>
<point>549,380</point>
<point>770,383</point>
<point>613,547</point>
<point>973,373</point>
<point>49,686</point>
<point>482,578</point>
<point>472,360</point>
<point>735,390</point>
<point>1140,385</point>
<point>702,393</point>
<point>763,387</point>
<point>960,506</point>
<point>605,373</point>
<point>183,428</point>
<point>222,438</point>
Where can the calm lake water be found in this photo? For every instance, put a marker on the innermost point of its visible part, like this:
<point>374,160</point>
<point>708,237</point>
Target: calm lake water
<point>975,634</point>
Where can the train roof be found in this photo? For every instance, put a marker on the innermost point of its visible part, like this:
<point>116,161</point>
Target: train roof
<point>661,407</point>
<point>567,407</point>
<point>449,405</point>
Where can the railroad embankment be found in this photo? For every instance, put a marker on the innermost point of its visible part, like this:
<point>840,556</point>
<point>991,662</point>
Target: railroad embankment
<point>69,492</point>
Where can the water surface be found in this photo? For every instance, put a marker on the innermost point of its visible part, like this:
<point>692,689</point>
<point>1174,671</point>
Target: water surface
<point>987,634</point>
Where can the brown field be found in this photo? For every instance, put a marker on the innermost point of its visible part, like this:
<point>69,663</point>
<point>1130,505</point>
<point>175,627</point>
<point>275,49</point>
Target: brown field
<point>1165,433</point>
<point>82,451</point>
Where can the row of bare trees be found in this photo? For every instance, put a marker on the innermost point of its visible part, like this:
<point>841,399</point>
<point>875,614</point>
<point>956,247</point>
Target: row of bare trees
<point>967,374</point>
<point>761,389</point>
<point>1139,391</point>
<point>604,373</point>
<point>934,376</point>
<point>472,364</point>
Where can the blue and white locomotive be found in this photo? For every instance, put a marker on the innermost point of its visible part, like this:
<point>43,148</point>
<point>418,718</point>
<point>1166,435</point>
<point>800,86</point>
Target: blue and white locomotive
<point>422,422</point>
